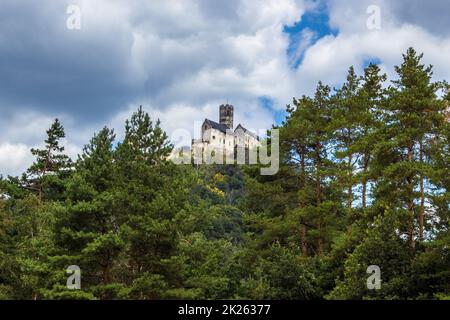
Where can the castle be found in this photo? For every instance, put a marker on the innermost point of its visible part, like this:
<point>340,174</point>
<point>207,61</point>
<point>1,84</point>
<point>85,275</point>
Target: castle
<point>220,137</point>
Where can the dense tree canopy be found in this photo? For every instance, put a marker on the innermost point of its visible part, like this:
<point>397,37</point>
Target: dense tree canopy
<point>364,180</point>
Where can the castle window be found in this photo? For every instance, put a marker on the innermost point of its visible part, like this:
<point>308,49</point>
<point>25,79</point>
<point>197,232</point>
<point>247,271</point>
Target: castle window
<point>214,137</point>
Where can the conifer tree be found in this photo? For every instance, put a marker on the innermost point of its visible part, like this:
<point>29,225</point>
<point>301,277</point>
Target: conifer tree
<point>51,166</point>
<point>411,117</point>
<point>143,140</point>
<point>148,196</point>
<point>295,135</point>
<point>346,115</point>
<point>371,96</point>
<point>88,227</point>
<point>309,128</point>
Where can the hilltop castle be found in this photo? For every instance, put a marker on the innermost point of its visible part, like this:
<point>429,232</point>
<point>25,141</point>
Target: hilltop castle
<point>220,137</point>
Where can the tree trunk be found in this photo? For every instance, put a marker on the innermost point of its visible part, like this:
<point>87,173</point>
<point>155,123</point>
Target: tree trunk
<point>106,274</point>
<point>320,245</point>
<point>411,225</point>
<point>364,191</point>
<point>303,241</point>
<point>350,183</point>
<point>422,198</point>
<point>40,192</point>
<point>44,172</point>
<point>410,203</point>
<point>364,181</point>
<point>318,199</point>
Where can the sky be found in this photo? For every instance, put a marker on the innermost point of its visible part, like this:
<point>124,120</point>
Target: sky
<point>181,59</point>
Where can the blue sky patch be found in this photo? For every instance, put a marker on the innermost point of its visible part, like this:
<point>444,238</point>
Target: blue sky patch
<point>267,103</point>
<point>313,26</point>
<point>370,60</point>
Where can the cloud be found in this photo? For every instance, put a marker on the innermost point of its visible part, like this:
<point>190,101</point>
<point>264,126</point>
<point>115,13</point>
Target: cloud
<point>14,157</point>
<point>129,51</point>
<point>84,73</point>
<point>430,15</point>
<point>180,59</point>
<point>329,58</point>
<point>24,130</point>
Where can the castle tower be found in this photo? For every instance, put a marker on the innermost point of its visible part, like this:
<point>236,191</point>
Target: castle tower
<point>226,115</point>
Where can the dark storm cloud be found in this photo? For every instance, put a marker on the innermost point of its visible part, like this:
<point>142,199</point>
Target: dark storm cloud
<point>432,15</point>
<point>45,66</point>
<point>89,74</point>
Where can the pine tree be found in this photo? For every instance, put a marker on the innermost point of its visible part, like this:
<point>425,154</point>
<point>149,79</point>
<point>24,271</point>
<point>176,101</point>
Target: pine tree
<point>149,196</point>
<point>410,119</point>
<point>308,131</point>
<point>327,200</point>
<point>294,142</point>
<point>46,174</point>
<point>371,96</point>
<point>88,228</point>
<point>143,140</point>
<point>346,115</point>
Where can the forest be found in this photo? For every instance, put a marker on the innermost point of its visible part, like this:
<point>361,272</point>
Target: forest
<point>364,180</point>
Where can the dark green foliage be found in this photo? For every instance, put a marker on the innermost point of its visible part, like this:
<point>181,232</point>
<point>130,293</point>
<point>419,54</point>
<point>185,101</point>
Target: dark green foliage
<point>364,179</point>
<point>46,175</point>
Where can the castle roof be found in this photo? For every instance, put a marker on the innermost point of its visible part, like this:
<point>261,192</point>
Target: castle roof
<point>246,131</point>
<point>218,126</point>
<point>223,128</point>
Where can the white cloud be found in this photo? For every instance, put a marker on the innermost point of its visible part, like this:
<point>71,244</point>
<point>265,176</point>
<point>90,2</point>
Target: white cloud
<point>14,158</point>
<point>23,131</point>
<point>182,58</point>
<point>329,58</point>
